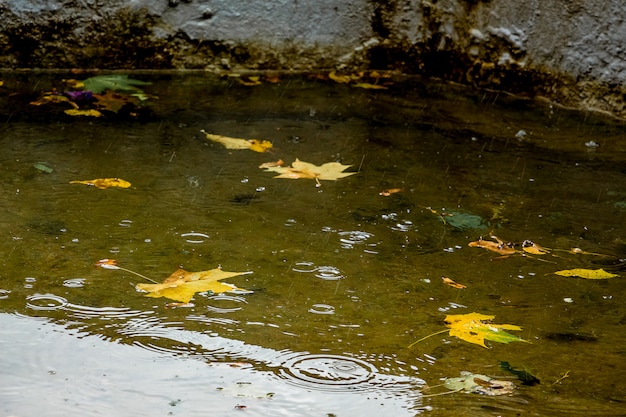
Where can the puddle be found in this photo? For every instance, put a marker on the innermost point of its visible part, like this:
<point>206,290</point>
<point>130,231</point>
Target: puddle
<point>345,274</point>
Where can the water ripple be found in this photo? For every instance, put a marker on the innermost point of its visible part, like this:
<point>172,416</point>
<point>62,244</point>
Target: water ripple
<point>219,303</point>
<point>322,309</point>
<point>195,237</point>
<point>325,272</point>
<point>45,302</point>
<point>328,372</point>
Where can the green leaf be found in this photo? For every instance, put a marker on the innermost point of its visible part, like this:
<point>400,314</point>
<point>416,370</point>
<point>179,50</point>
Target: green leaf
<point>113,82</point>
<point>586,273</point>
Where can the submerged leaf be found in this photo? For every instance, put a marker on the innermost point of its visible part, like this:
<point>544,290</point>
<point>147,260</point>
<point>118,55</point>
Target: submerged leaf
<point>586,273</point>
<point>237,143</point>
<point>183,285</point>
<point>476,327</point>
<point>329,171</point>
<point>104,183</point>
<point>479,384</point>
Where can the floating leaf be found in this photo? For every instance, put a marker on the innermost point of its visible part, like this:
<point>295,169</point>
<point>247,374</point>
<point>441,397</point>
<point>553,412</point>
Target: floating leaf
<point>529,246</point>
<point>340,78</point>
<point>452,284</point>
<point>479,384</point>
<point>586,273</point>
<point>182,285</point>
<point>370,86</point>
<point>113,82</point>
<point>498,246</point>
<point>236,143</point>
<point>330,171</point>
<point>78,112</point>
<point>476,327</point>
<point>48,98</point>
<point>104,183</point>
<point>388,192</point>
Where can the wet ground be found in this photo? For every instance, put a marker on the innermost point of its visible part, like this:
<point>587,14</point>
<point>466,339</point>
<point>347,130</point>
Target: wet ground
<point>343,276</point>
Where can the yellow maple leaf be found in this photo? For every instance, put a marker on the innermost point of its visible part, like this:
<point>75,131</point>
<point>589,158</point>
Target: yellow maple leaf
<point>104,183</point>
<point>182,285</point>
<point>237,143</point>
<point>586,273</point>
<point>299,169</point>
<point>476,327</point>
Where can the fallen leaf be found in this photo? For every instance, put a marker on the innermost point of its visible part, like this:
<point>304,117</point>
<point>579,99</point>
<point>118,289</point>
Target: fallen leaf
<point>498,246</point>
<point>278,163</point>
<point>388,192</point>
<point>586,273</point>
<point>104,183</point>
<point>113,102</point>
<point>370,86</point>
<point>107,264</point>
<point>529,246</point>
<point>479,384</point>
<point>453,284</point>
<point>182,285</point>
<point>476,327</point>
<point>78,112</point>
<point>331,171</point>
<point>250,81</point>
<point>48,98</point>
<point>236,143</point>
<point>113,82</point>
<point>339,78</point>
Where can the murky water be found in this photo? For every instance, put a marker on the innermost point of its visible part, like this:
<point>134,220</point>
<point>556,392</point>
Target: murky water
<point>344,279</point>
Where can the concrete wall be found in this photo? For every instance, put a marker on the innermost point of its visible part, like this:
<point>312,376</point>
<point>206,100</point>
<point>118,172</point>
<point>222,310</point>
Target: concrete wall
<point>569,51</point>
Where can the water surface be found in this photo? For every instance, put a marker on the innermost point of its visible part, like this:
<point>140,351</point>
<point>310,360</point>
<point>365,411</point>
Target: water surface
<point>344,278</point>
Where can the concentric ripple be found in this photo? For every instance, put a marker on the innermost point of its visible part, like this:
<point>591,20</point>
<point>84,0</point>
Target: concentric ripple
<point>325,272</point>
<point>220,303</point>
<point>195,237</point>
<point>329,372</point>
<point>45,302</point>
<point>322,309</point>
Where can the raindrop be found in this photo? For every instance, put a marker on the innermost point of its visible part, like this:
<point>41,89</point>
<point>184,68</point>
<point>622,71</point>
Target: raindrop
<point>322,309</point>
<point>194,237</point>
<point>74,283</point>
<point>4,294</point>
<point>193,182</point>
<point>125,223</point>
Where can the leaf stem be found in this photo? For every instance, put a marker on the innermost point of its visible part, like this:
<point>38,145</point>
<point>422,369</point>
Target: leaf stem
<point>426,337</point>
<point>138,274</point>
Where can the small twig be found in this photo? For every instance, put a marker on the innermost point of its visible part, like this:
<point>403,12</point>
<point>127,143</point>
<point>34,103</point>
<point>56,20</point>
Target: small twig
<point>565,375</point>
